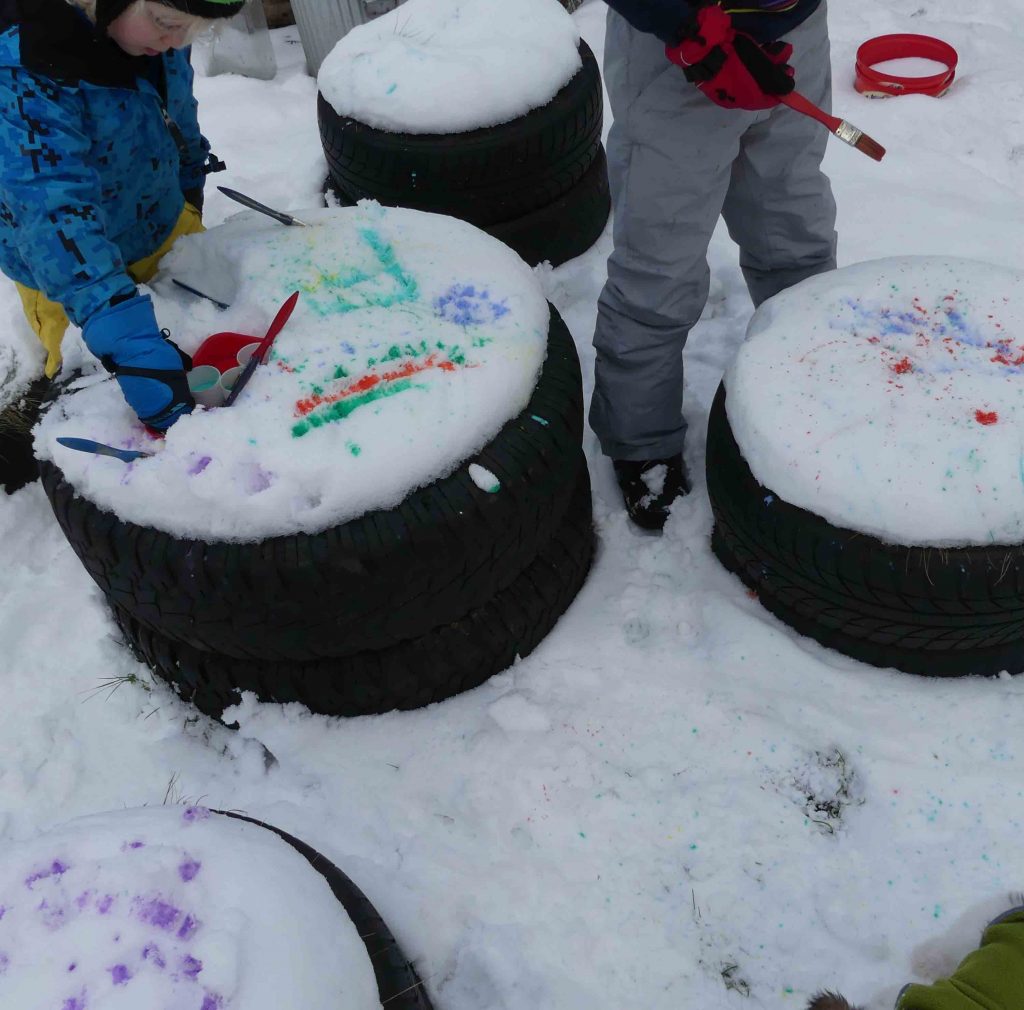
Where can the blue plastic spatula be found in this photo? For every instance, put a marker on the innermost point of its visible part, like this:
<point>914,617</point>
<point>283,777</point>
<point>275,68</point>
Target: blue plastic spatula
<point>99,449</point>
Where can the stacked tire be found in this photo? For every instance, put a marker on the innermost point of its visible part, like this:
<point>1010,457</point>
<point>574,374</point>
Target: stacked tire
<point>539,183</point>
<point>939,612</point>
<point>394,609</point>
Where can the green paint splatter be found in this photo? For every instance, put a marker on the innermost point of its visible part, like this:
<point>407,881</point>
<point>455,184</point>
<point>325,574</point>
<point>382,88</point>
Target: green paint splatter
<point>353,448</point>
<point>340,410</point>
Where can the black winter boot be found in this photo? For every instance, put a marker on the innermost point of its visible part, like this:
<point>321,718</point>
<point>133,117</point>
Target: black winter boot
<point>650,486</point>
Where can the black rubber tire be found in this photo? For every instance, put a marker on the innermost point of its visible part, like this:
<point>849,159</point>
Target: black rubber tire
<point>558,232</point>
<point>410,674</point>
<point>482,176</point>
<point>943,612</point>
<point>362,585</point>
<point>398,983</point>
<point>566,228</point>
<point>18,465</point>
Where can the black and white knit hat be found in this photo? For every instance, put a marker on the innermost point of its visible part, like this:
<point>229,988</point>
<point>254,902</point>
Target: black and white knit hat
<point>108,10</point>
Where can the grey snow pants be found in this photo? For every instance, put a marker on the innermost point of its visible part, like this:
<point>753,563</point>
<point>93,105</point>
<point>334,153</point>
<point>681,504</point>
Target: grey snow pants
<point>676,162</point>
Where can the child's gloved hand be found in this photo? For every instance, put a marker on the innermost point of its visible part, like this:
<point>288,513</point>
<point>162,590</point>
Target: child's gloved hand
<point>149,368</point>
<point>729,66</point>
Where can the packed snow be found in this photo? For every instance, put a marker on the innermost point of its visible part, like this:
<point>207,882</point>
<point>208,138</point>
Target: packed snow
<point>447,66</point>
<point>675,801</point>
<point>414,339</point>
<point>158,907</point>
<point>901,377</point>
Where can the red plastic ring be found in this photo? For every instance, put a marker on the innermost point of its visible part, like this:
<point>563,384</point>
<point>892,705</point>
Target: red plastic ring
<point>896,47</point>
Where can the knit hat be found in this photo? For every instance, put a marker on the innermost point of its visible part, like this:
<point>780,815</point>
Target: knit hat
<point>108,10</point>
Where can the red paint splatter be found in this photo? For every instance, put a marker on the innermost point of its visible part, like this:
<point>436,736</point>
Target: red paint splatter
<point>902,366</point>
<point>367,382</point>
<point>986,416</point>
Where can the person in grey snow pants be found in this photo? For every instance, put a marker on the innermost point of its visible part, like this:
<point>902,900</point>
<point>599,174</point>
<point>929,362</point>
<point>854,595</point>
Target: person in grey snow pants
<point>682,151</point>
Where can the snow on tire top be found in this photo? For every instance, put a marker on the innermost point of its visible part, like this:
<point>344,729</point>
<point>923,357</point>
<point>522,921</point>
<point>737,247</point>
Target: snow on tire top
<point>888,398</point>
<point>415,338</point>
<point>178,908</point>
<point>447,66</point>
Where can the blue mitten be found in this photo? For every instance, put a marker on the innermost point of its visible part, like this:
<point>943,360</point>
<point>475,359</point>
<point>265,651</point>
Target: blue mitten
<point>149,368</point>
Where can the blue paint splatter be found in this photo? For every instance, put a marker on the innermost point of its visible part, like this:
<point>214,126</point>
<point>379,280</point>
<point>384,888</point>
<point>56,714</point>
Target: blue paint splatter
<point>464,305</point>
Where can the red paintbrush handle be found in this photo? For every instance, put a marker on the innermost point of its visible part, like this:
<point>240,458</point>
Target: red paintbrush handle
<point>798,103</point>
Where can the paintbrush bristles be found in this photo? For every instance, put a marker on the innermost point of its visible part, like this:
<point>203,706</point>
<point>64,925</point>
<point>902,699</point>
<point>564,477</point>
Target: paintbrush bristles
<point>849,134</point>
<point>830,1001</point>
<point>870,147</point>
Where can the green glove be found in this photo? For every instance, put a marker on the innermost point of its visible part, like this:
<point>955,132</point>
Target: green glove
<point>989,978</point>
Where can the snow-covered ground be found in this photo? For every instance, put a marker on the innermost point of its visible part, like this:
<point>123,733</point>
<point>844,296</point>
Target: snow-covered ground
<point>675,802</point>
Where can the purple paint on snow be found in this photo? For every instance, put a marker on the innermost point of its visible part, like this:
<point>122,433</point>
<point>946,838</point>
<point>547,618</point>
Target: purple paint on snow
<point>199,466</point>
<point>74,1002</point>
<point>151,952</point>
<point>4,962</point>
<point>120,975</point>
<point>191,966</point>
<point>104,904</point>
<point>188,869</point>
<point>3,911</point>
<point>158,913</point>
<point>193,814</point>
<point>52,916</point>
<point>56,869</point>
<point>188,928</point>
<point>133,845</point>
<point>211,1001</point>
<point>83,899</point>
<point>72,966</point>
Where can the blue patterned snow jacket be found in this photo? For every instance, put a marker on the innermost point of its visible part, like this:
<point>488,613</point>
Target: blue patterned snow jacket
<point>765,20</point>
<point>91,174</point>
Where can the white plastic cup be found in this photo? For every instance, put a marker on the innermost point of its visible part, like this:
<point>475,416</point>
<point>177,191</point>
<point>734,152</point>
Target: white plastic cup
<point>205,385</point>
<point>243,356</point>
<point>228,379</point>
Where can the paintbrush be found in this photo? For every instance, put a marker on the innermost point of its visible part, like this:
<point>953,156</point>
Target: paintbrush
<point>846,132</point>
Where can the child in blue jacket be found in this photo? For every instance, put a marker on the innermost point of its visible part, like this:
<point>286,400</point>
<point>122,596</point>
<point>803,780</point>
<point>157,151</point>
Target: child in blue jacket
<point>102,166</point>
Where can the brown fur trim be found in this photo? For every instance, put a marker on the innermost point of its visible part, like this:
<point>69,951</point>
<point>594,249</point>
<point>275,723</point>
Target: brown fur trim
<point>830,1001</point>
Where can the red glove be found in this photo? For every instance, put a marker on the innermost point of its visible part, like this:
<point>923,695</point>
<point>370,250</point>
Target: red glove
<point>729,66</point>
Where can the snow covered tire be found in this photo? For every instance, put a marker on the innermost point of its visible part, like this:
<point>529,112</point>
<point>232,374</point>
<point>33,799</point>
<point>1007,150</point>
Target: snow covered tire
<point>409,674</point>
<point>483,176</point>
<point>398,983</point>
<point>362,585</point>
<point>18,465</point>
<point>559,231</point>
<point>566,228</point>
<point>925,610</point>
